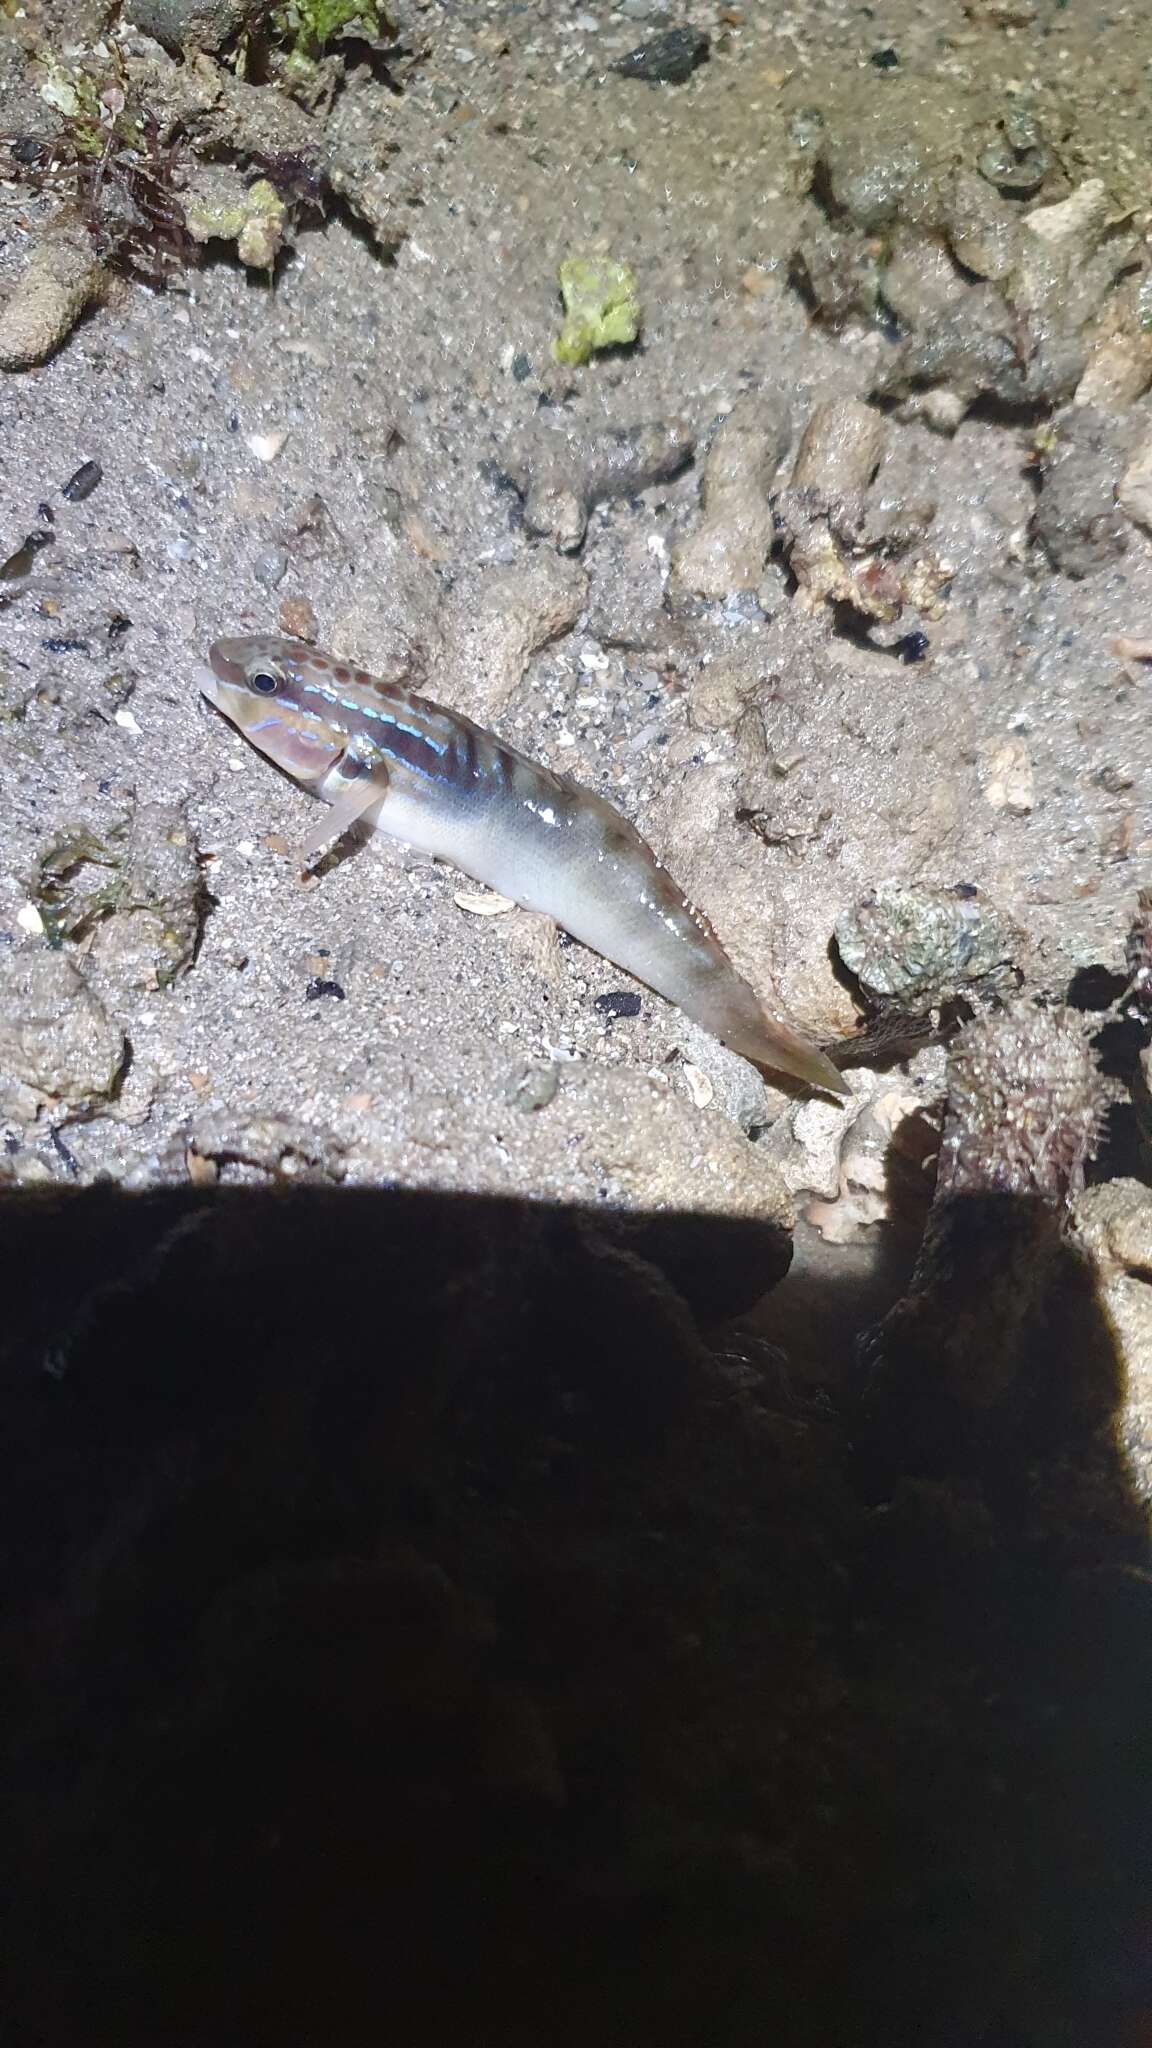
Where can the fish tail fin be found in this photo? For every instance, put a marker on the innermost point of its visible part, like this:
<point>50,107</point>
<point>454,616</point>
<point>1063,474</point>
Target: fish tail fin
<point>787,1051</point>
<point>768,1040</point>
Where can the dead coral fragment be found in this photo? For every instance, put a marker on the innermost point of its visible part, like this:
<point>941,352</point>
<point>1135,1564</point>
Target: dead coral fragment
<point>1026,1103</point>
<point>62,279</point>
<point>561,474</point>
<point>1138,955</point>
<point>823,510</point>
<point>1024,337</point>
<point>728,550</point>
<point>220,207</point>
<point>601,306</point>
<point>497,623</point>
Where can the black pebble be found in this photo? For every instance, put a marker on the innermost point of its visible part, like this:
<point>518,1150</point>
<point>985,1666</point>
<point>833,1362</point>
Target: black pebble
<point>82,483</point>
<point>667,59</point>
<point>913,647</point>
<point>521,368</point>
<point>618,1003</point>
<point>884,60</point>
<point>316,987</point>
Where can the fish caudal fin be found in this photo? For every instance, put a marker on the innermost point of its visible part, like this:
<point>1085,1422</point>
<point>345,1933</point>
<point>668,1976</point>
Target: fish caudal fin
<point>788,1052</point>
<point>753,1031</point>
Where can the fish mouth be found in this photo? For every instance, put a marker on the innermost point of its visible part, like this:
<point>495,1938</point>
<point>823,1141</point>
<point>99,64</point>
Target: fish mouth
<point>208,683</point>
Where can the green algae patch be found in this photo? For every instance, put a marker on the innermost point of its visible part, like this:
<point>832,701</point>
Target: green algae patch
<point>601,307</point>
<point>308,26</point>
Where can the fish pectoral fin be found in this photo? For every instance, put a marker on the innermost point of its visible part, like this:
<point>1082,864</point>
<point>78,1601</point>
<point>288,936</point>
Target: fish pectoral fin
<point>349,807</point>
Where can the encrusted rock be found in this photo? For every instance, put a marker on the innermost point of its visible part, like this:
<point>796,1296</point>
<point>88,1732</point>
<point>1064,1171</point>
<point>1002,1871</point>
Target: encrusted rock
<point>501,621</point>
<point>58,1044</point>
<point>920,946</point>
<point>561,473</point>
<point>1082,467</point>
<point>62,278</point>
<point>193,24</point>
<point>1025,1106</point>
<point>151,937</point>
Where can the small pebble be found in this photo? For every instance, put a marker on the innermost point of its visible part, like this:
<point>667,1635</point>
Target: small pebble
<point>532,1086</point>
<point>125,719</point>
<point>1009,782</point>
<point>29,920</point>
<point>699,1086</point>
<point>298,619</point>
<point>668,59</point>
<point>270,567</point>
<point>618,1003</point>
<point>483,906</point>
<point>323,988</point>
<point>266,447</point>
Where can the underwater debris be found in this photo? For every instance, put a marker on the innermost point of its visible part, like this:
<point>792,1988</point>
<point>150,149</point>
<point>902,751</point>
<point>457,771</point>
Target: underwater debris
<point>78,882</point>
<point>82,483</point>
<point>601,307</point>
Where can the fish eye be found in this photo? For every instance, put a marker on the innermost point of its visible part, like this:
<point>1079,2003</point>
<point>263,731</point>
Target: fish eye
<point>265,685</point>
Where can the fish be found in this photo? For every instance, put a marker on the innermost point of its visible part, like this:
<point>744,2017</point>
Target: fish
<point>385,758</point>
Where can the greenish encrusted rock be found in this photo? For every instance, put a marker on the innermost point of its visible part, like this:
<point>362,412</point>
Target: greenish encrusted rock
<point>219,207</point>
<point>601,307</point>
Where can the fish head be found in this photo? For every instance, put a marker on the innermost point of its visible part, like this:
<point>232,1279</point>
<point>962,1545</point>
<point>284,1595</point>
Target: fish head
<point>265,687</point>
